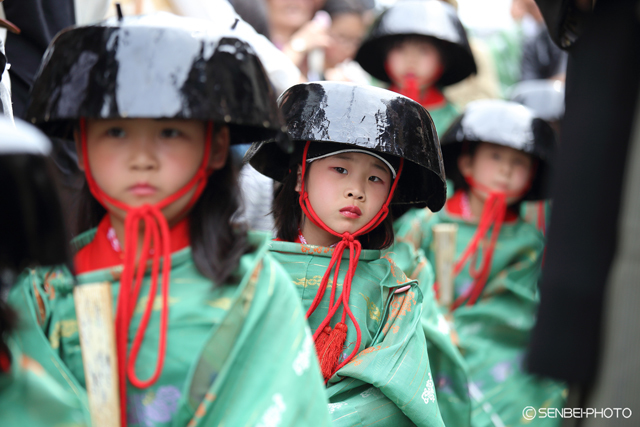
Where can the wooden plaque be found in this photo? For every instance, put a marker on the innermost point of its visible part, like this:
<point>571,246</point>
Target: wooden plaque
<point>94,310</point>
<point>444,240</point>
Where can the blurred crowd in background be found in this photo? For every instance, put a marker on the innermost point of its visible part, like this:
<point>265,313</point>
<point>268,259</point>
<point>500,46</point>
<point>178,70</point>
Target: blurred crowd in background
<point>509,39</point>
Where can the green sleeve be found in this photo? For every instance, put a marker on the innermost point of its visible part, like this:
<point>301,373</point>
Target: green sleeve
<point>494,334</point>
<point>390,383</point>
<point>35,300</point>
<point>271,375</point>
<point>30,397</point>
<point>447,365</point>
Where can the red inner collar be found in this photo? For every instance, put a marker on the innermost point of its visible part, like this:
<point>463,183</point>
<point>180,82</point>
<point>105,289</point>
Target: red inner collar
<point>102,251</point>
<point>455,206</point>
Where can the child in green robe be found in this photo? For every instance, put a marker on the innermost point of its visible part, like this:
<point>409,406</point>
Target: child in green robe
<point>497,154</point>
<point>29,396</point>
<point>419,47</point>
<point>358,149</point>
<point>153,103</point>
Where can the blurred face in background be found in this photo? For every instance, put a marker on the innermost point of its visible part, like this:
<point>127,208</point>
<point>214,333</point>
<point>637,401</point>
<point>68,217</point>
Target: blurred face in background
<point>415,56</point>
<point>346,33</point>
<point>290,15</point>
<point>499,168</point>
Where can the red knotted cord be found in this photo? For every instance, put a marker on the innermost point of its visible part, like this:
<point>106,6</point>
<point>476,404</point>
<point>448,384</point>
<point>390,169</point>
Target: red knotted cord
<point>493,213</point>
<point>348,241</point>
<point>156,232</point>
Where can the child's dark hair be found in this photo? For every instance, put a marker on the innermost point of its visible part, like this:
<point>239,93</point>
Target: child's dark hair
<point>287,214</point>
<point>216,245</point>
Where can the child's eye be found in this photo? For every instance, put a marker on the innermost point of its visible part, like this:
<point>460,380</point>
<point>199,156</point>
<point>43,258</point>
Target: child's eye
<point>374,179</point>
<point>340,170</point>
<point>116,132</point>
<point>170,133</point>
<point>495,155</point>
<point>518,162</point>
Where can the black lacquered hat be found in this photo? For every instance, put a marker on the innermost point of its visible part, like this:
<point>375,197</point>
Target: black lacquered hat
<point>430,18</point>
<point>155,66</point>
<point>363,117</point>
<point>544,97</point>
<point>503,123</point>
<point>31,225</point>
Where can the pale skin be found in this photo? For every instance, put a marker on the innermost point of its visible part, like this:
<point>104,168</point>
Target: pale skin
<point>414,56</point>
<point>346,35</point>
<point>500,168</point>
<point>143,161</point>
<point>335,186</point>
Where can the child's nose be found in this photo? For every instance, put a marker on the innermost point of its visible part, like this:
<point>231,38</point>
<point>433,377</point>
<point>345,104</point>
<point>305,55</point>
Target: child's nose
<point>506,168</point>
<point>143,155</point>
<point>355,193</point>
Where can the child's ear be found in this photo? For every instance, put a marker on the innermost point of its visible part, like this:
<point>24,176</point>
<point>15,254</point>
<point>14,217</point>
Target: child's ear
<point>76,138</point>
<point>299,179</point>
<point>465,165</point>
<point>219,149</point>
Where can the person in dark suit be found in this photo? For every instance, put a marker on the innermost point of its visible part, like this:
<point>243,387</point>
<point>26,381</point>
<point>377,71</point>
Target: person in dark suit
<point>603,80</point>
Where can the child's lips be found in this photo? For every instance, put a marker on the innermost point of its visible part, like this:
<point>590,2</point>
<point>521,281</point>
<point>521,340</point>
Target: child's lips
<point>351,212</point>
<point>143,189</point>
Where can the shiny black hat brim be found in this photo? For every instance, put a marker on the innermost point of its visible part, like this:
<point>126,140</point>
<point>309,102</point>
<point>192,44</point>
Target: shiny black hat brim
<point>364,117</point>
<point>432,19</point>
<point>137,68</point>
<point>503,123</point>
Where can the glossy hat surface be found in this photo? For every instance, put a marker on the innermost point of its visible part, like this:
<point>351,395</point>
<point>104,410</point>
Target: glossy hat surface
<point>429,18</point>
<point>365,117</point>
<point>154,66</point>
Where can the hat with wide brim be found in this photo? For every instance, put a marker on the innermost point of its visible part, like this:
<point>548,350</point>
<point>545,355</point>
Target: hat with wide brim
<point>361,117</point>
<point>158,66</point>
<point>503,123</point>
<point>31,226</point>
<point>429,18</point>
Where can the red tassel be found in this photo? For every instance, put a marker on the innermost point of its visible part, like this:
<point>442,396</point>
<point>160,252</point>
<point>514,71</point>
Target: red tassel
<point>322,340</point>
<point>332,351</point>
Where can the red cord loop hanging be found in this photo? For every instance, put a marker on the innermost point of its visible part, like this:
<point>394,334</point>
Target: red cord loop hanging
<point>330,342</point>
<point>493,214</point>
<point>156,236</point>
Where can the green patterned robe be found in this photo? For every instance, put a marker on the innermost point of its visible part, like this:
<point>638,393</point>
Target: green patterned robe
<point>30,397</point>
<point>493,333</point>
<point>389,382</point>
<point>238,354</point>
<point>447,365</point>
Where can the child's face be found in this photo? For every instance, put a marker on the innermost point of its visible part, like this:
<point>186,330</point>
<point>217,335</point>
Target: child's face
<point>347,190</point>
<point>500,168</point>
<point>417,57</point>
<point>140,161</point>
<point>346,34</point>
<point>291,14</point>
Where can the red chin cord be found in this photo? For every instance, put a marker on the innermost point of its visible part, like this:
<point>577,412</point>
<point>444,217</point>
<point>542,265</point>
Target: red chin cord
<point>156,235</point>
<point>431,96</point>
<point>493,213</point>
<point>330,342</point>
